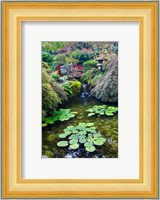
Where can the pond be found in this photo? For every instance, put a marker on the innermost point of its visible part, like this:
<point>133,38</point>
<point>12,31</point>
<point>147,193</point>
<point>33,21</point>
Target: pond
<point>106,125</point>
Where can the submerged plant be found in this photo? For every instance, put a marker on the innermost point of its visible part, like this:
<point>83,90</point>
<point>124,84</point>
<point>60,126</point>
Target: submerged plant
<point>60,115</point>
<point>83,134</point>
<point>102,110</point>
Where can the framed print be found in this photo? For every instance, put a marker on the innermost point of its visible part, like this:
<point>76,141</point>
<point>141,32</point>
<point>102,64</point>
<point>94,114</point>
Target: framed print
<point>80,99</point>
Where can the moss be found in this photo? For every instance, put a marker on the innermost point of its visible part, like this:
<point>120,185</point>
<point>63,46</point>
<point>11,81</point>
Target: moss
<point>45,147</point>
<point>76,87</point>
<point>51,137</point>
<point>49,154</point>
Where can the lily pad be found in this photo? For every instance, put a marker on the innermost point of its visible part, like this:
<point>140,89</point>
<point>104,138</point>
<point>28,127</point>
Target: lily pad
<point>73,141</point>
<point>67,132</point>
<point>108,113</point>
<point>102,110</point>
<point>82,132</point>
<point>88,144</point>
<point>99,141</point>
<point>90,124</point>
<point>62,143</point>
<point>74,146</point>
<point>91,114</point>
<point>63,135</point>
<point>81,135</point>
<point>90,148</point>
<point>82,140</point>
<point>97,135</point>
<point>61,115</point>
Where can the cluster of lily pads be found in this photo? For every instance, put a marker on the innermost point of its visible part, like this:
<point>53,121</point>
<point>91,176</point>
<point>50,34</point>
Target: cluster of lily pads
<point>83,134</point>
<point>60,115</point>
<point>102,110</point>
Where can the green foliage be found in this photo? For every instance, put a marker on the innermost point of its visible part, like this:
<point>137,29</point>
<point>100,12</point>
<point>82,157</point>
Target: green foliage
<point>52,46</point>
<point>49,154</point>
<point>74,146</point>
<point>102,110</point>
<point>60,115</point>
<point>83,134</point>
<point>43,114</point>
<point>76,54</point>
<point>62,144</point>
<point>81,56</point>
<point>89,65</point>
<point>76,87</point>
<point>94,80</point>
<point>60,91</point>
<point>46,57</point>
<point>53,93</point>
<point>55,76</point>
<point>68,89</point>
<point>45,76</point>
<point>92,76</point>
<point>51,137</point>
<point>50,98</point>
<point>91,55</point>
<point>58,60</point>
<point>71,60</point>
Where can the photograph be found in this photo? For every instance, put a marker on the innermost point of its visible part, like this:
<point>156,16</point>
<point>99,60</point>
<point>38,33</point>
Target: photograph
<point>79,99</point>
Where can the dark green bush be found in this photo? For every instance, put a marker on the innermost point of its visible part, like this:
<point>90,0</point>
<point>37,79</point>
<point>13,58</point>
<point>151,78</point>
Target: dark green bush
<point>55,76</point>
<point>46,57</point>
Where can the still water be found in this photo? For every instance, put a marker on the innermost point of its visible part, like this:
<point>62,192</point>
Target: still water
<point>107,126</point>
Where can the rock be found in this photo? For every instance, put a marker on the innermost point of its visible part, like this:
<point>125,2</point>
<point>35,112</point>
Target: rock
<point>44,156</point>
<point>106,88</point>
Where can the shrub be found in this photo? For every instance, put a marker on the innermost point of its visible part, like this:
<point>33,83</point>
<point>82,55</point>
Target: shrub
<point>89,75</point>
<point>45,77</point>
<point>46,57</point>
<point>50,98</point>
<point>76,54</point>
<point>89,65</point>
<point>91,55</point>
<point>93,81</point>
<point>76,87</point>
<point>68,89</point>
<point>71,60</point>
<point>80,56</point>
<point>55,76</point>
<point>59,90</point>
<point>92,76</point>
<point>58,60</point>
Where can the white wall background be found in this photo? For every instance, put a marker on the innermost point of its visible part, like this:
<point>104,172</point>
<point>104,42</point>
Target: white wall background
<point>127,164</point>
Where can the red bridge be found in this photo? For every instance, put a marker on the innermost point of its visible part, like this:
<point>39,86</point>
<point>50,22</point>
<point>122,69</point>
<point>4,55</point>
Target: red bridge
<point>72,71</point>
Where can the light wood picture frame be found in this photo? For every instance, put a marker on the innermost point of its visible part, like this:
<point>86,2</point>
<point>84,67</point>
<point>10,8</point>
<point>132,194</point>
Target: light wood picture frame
<point>13,14</point>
